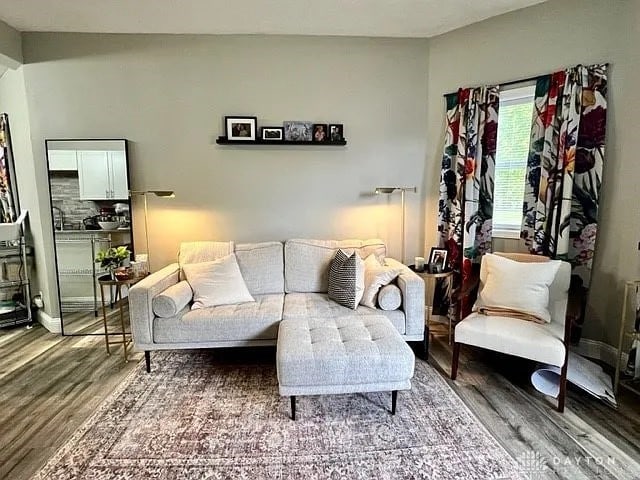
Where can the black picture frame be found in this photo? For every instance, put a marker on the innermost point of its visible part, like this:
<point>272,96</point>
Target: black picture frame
<point>336,132</point>
<point>438,260</point>
<point>320,133</point>
<point>272,134</point>
<point>240,127</point>
<point>298,131</point>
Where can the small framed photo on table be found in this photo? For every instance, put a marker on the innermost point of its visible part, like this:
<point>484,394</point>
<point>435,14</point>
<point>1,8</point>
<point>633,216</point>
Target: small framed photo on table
<point>272,134</point>
<point>240,128</point>
<point>438,260</point>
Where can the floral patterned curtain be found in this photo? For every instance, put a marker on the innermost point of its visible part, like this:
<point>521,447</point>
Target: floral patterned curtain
<point>465,209</point>
<point>564,170</point>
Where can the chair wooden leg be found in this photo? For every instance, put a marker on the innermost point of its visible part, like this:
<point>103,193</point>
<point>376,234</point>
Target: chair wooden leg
<point>394,401</point>
<point>147,360</point>
<point>454,360</point>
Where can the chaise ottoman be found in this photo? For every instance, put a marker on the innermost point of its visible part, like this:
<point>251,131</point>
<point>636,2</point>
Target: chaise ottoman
<point>343,354</point>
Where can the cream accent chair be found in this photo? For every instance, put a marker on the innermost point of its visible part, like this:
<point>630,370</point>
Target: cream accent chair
<point>543,343</point>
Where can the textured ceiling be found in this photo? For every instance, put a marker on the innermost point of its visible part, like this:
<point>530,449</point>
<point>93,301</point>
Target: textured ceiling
<point>376,18</point>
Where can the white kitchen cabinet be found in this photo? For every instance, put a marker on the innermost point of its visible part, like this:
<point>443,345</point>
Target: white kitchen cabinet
<point>119,180</point>
<point>61,160</point>
<point>102,175</point>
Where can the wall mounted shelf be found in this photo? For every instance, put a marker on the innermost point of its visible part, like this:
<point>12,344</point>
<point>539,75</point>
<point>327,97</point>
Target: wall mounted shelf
<point>259,141</point>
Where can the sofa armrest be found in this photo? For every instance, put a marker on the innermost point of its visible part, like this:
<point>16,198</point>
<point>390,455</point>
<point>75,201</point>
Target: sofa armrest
<point>412,287</point>
<point>140,301</point>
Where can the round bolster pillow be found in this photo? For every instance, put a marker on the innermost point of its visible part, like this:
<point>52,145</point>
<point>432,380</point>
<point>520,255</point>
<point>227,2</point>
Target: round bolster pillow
<point>389,297</point>
<point>172,300</point>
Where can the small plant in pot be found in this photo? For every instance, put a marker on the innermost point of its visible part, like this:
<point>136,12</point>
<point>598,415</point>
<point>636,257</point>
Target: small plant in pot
<point>112,259</point>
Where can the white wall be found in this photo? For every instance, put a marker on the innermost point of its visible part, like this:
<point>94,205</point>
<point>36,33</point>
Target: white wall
<point>168,95</point>
<point>538,40</point>
<point>30,187</point>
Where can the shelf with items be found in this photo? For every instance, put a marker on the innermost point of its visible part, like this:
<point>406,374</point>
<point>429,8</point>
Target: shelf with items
<point>628,339</point>
<point>260,141</point>
<point>16,308</point>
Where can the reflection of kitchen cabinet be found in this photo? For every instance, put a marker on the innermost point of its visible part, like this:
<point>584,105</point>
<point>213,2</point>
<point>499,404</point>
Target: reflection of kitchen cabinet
<point>62,160</point>
<point>102,175</point>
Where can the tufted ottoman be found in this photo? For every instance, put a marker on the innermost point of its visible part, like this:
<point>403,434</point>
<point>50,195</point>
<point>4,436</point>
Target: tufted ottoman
<point>344,354</point>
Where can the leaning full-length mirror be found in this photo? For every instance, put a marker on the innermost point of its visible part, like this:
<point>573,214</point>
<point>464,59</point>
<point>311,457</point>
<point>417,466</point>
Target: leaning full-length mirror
<point>89,186</point>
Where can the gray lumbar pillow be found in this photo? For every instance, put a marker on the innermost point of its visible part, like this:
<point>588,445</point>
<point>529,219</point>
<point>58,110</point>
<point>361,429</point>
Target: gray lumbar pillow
<point>169,302</point>
<point>389,297</point>
<point>346,279</point>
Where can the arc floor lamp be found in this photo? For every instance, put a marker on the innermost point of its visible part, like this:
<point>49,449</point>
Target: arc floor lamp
<point>144,194</point>
<point>402,190</point>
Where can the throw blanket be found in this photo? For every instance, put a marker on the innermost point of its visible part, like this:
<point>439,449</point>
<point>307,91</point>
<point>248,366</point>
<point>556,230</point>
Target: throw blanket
<point>509,312</point>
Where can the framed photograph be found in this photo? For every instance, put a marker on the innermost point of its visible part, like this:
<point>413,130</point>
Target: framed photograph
<point>320,132</point>
<point>336,132</point>
<point>273,134</point>
<point>240,128</point>
<point>298,131</point>
<point>438,260</point>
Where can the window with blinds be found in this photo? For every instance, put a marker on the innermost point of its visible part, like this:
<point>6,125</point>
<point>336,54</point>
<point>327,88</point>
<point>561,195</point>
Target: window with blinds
<point>514,130</point>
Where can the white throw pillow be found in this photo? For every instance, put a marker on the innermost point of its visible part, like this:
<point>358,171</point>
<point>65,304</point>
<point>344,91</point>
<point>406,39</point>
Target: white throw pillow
<point>217,283</point>
<point>173,299</point>
<point>520,286</point>
<point>375,277</point>
<point>346,279</point>
<point>389,297</point>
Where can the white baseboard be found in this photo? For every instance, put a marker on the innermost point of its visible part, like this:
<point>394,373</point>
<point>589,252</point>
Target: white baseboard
<point>54,325</point>
<point>600,351</point>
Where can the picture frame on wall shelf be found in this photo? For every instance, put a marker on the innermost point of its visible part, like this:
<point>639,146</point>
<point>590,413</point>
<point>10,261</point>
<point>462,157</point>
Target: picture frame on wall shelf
<point>238,127</point>
<point>298,131</point>
<point>438,260</point>
<point>272,134</point>
<point>336,132</point>
<point>320,132</point>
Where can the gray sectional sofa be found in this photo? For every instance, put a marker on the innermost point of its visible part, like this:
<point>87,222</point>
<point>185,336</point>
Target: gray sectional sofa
<point>288,281</point>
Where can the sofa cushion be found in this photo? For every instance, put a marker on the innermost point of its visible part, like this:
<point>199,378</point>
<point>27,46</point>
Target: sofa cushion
<point>376,276</point>
<point>170,301</point>
<point>389,297</point>
<point>310,305</point>
<point>198,252</point>
<point>262,266</point>
<point>346,279</point>
<point>247,321</point>
<point>306,261</point>
<point>216,283</point>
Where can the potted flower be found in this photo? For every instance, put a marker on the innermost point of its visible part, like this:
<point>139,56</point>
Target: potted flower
<point>112,258</point>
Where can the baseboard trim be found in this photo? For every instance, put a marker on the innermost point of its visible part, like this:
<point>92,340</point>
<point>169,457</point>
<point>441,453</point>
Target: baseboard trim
<point>599,351</point>
<point>54,325</point>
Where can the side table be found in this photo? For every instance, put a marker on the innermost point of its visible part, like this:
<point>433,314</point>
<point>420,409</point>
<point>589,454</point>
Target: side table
<point>107,281</point>
<point>430,280</point>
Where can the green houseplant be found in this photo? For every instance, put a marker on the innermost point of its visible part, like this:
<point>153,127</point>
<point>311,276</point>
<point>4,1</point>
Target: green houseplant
<point>112,258</point>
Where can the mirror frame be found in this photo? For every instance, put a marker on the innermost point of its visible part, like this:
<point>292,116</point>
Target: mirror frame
<point>55,247</point>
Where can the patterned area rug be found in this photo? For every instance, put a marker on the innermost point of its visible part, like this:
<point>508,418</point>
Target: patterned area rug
<point>216,414</point>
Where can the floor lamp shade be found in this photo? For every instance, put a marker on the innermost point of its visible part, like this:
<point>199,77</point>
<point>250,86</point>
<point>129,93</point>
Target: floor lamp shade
<point>144,194</point>
<point>402,190</point>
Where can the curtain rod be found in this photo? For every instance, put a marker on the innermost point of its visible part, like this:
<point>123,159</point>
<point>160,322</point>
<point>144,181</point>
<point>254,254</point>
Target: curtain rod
<point>513,82</point>
<point>504,84</point>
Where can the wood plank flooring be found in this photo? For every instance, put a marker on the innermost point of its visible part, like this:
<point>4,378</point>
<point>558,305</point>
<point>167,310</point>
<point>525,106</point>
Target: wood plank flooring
<point>50,384</point>
<point>590,440</point>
